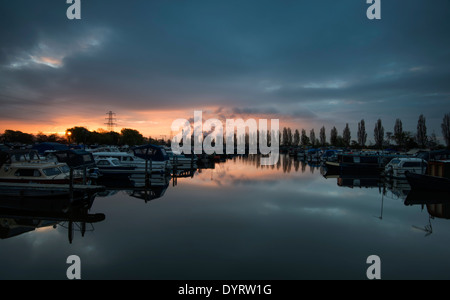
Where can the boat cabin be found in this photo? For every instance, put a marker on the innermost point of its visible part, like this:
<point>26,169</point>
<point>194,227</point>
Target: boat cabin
<point>397,167</point>
<point>108,162</point>
<point>153,152</point>
<point>74,158</point>
<point>35,172</point>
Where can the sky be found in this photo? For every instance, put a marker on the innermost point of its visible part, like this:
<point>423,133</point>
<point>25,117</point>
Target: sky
<point>309,63</point>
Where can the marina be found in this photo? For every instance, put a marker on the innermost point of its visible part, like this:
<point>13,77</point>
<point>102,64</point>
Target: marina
<point>224,140</point>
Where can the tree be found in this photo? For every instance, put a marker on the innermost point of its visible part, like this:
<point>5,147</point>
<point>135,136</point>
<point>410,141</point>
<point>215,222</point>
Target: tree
<point>389,136</point>
<point>304,138</point>
<point>289,136</point>
<point>11,136</point>
<point>323,136</point>
<point>312,137</point>
<point>41,137</point>
<point>79,135</point>
<point>362,134</point>
<point>340,141</point>
<point>347,136</point>
<point>379,134</point>
<point>285,137</point>
<point>446,129</point>
<point>334,137</point>
<point>433,141</point>
<point>398,132</point>
<point>296,138</point>
<point>113,138</point>
<point>409,141</point>
<point>131,137</point>
<point>422,132</point>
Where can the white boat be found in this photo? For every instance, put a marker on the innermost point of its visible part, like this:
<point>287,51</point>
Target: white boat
<point>397,167</point>
<point>27,167</point>
<point>23,174</point>
<point>180,161</point>
<point>129,160</point>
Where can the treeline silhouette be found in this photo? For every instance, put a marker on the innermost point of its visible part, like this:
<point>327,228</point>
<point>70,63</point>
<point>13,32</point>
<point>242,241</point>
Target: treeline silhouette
<point>80,135</point>
<point>287,138</point>
<point>397,138</point>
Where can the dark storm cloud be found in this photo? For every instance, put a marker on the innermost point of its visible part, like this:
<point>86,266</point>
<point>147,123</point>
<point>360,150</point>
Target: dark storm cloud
<point>249,56</point>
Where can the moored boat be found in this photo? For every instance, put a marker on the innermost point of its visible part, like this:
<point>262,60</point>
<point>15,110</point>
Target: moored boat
<point>180,161</point>
<point>397,167</point>
<point>437,178</point>
<point>357,164</point>
<point>27,167</point>
<point>130,161</point>
<point>428,183</point>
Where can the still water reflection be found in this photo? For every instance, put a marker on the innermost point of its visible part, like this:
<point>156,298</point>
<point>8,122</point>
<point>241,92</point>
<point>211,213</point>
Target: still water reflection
<point>233,220</point>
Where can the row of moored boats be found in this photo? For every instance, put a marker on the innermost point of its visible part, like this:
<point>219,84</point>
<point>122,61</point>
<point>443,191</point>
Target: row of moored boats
<point>56,172</point>
<point>423,170</point>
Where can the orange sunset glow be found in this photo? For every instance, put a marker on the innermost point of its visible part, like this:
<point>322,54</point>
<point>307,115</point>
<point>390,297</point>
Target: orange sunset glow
<point>156,124</point>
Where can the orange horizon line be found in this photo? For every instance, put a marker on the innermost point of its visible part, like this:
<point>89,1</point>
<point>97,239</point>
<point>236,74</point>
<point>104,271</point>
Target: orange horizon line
<point>64,134</point>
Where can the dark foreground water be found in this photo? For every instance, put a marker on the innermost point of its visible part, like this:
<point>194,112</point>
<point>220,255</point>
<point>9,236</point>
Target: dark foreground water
<point>241,221</point>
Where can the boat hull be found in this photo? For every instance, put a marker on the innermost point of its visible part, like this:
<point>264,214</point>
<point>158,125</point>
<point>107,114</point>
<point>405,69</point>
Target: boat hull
<point>428,183</point>
<point>38,190</point>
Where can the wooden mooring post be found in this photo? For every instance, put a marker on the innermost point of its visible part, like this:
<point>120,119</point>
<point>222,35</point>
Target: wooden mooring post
<point>84,175</point>
<point>71,184</point>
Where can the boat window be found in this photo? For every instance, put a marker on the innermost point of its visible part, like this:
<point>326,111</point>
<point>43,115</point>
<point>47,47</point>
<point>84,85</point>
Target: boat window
<point>115,162</point>
<point>140,151</point>
<point>27,173</point>
<point>51,171</point>
<point>414,165</point>
<point>87,158</point>
<point>395,162</point>
<point>65,169</point>
<point>103,163</point>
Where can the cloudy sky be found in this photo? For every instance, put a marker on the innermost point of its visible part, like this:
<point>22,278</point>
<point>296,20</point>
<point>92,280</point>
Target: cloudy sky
<point>307,62</point>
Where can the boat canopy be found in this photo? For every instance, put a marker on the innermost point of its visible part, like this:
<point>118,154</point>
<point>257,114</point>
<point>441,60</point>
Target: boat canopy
<point>42,147</point>
<point>434,155</point>
<point>152,152</point>
<point>328,153</point>
<point>75,158</point>
<point>17,156</point>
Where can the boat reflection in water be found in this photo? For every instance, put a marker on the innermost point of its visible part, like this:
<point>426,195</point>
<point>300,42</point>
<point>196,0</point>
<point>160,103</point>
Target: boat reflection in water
<point>148,194</point>
<point>436,203</point>
<point>360,182</point>
<point>19,216</point>
<point>154,189</point>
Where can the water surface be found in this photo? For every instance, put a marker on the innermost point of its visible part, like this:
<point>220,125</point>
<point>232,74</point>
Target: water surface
<point>242,221</point>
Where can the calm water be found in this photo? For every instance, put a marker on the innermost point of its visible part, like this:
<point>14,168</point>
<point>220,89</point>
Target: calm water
<point>241,221</point>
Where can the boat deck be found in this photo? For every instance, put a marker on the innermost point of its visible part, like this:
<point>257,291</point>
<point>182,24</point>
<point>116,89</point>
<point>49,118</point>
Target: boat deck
<point>38,186</point>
